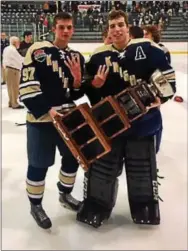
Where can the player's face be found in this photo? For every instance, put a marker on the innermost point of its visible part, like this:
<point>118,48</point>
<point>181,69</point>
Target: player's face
<point>29,38</point>
<point>148,35</point>
<point>108,40</point>
<point>64,30</point>
<point>118,30</point>
<point>3,36</point>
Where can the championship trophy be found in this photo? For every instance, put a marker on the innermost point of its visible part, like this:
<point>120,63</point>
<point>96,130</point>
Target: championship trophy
<point>82,135</point>
<point>88,131</point>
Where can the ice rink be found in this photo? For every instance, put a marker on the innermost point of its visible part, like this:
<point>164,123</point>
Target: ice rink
<point>20,232</point>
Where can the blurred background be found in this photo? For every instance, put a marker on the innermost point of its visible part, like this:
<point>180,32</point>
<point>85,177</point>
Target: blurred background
<point>90,17</point>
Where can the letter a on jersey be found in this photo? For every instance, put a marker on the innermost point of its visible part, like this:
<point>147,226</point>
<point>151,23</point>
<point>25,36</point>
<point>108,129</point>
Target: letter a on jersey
<point>140,53</point>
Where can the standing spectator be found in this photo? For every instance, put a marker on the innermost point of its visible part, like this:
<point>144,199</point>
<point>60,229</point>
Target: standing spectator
<point>12,61</point>
<point>91,23</point>
<point>26,43</point>
<point>4,43</point>
<point>100,22</point>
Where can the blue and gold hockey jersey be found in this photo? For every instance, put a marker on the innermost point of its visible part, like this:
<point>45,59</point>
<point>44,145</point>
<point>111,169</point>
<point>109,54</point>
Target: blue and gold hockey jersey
<point>142,57</point>
<point>45,80</point>
<point>107,55</point>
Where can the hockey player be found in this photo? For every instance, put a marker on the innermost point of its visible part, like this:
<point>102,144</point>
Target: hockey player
<point>141,58</point>
<point>100,183</point>
<point>50,81</point>
<point>105,36</point>
<point>136,32</point>
<point>145,60</point>
<point>152,32</point>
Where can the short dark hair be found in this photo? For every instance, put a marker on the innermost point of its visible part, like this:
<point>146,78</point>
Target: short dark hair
<point>114,14</point>
<point>136,32</point>
<point>27,33</point>
<point>62,16</point>
<point>154,32</point>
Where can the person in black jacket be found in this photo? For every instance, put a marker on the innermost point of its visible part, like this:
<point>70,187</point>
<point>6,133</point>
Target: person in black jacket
<point>26,43</point>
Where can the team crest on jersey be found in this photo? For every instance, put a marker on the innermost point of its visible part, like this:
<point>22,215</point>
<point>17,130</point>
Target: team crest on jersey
<point>40,55</point>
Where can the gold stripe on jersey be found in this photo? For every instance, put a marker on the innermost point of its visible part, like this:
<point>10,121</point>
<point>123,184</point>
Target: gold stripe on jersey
<point>35,46</point>
<point>45,118</point>
<point>170,76</point>
<point>29,89</point>
<point>102,48</point>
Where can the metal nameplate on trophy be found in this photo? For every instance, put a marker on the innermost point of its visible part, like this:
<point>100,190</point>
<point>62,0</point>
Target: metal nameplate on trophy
<point>135,99</point>
<point>131,104</point>
<point>83,136</point>
<point>110,117</point>
<point>145,94</point>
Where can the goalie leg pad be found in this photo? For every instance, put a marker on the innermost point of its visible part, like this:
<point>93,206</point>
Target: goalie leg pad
<point>141,171</point>
<point>100,188</point>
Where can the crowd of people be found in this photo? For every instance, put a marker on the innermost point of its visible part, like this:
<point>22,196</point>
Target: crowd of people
<point>93,15</point>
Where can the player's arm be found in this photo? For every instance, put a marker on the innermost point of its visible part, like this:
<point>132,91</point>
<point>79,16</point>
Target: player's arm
<point>30,92</point>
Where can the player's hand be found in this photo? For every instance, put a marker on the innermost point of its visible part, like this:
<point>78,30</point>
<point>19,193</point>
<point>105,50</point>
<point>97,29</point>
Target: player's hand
<point>53,113</point>
<point>73,64</point>
<point>101,76</point>
<point>155,104</point>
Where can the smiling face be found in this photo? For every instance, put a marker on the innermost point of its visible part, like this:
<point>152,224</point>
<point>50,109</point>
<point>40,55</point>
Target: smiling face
<point>108,40</point>
<point>63,30</point>
<point>118,30</point>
